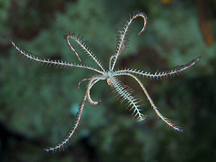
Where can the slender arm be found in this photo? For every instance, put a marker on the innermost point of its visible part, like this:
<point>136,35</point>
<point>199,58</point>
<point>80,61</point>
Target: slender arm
<point>122,40</point>
<point>82,46</point>
<point>163,74</point>
<point>60,146</point>
<point>48,62</point>
<point>166,120</point>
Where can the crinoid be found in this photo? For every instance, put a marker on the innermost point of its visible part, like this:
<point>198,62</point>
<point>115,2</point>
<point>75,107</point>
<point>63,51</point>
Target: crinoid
<point>110,75</point>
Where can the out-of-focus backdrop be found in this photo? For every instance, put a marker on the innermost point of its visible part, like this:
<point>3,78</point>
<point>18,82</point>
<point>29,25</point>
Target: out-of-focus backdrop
<point>38,104</point>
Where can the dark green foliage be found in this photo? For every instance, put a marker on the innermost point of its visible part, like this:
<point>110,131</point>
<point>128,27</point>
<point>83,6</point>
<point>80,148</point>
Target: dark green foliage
<point>36,101</point>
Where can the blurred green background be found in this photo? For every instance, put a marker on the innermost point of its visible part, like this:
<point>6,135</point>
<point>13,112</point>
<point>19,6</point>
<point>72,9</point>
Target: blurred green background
<point>38,104</point>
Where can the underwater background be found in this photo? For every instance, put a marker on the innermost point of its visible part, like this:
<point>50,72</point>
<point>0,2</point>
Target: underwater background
<point>38,104</point>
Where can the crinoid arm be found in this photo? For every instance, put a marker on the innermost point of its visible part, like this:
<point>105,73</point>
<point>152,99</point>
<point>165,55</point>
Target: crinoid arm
<point>85,79</point>
<point>163,74</point>
<point>64,143</point>
<point>54,63</point>
<point>122,39</point>
<point>92,82</point>
<point>166,120</point>
<point>83,46</point>
<point>123,92</point>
